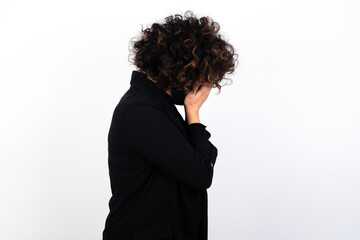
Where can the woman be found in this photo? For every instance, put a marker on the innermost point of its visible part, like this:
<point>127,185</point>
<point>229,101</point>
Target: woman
<point>161,165</point>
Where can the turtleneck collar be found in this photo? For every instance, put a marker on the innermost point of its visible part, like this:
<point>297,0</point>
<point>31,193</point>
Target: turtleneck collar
<point>139,79</point>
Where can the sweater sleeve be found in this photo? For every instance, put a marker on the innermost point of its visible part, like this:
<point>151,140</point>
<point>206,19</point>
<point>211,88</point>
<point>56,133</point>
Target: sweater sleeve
<point>199,139</point>
<point>151,133</point>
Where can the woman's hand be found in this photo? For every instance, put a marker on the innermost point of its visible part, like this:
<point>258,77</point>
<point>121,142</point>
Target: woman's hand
<point>194,100</point>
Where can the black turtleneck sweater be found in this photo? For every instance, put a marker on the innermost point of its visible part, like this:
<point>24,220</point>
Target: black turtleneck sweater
<point>159,166</point>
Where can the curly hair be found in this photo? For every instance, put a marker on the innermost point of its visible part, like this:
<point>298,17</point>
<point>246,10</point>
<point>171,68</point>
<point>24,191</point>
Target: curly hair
<point>183,50</point>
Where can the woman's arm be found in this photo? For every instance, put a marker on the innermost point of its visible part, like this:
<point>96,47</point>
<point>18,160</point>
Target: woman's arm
<point>150,132</point>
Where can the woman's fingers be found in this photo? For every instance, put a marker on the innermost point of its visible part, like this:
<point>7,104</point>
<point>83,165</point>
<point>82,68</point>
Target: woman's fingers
<point>204,90</point>
<point>196,86</point>
<point>198,96</point>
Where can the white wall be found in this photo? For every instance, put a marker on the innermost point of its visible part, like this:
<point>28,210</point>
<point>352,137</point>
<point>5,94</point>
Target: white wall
<point>287,129</point>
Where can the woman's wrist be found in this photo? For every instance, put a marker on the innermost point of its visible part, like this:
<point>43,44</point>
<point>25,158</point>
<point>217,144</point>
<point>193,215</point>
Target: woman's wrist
<point>192,116</point>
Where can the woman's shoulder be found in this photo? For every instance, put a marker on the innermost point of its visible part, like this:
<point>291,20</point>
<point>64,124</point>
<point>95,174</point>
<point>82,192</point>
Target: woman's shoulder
<point>139,104</point>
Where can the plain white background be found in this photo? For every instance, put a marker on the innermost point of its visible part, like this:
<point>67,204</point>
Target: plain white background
<point>287,128</point>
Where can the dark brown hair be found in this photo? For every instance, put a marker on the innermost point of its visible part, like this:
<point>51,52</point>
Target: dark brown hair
<point>183,50</point>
